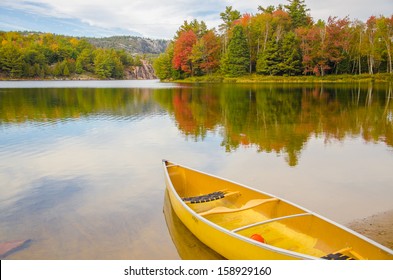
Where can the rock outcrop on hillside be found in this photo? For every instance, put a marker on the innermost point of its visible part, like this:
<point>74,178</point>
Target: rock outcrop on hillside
<point>143,72</point>
<point>131,44</point>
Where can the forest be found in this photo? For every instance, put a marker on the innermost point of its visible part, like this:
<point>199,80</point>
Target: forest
<point>32,55</point>
<point>279,41</point>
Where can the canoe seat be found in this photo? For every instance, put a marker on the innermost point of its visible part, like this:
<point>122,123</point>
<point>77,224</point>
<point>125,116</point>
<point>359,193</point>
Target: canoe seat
<point>250,204</point>
<point>208,197</point>
<point>337,256</point>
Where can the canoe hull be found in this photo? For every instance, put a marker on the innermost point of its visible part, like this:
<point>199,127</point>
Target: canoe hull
<point>232,241</point>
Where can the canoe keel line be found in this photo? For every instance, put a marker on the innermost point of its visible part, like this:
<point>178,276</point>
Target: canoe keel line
<point>239,222</point>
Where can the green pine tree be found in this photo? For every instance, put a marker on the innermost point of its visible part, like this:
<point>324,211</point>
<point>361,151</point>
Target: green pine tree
<point>291,63</point>
<point>268,61</point>
<point>237,59</point>
<point>281,57</point>
<point>297,10</point>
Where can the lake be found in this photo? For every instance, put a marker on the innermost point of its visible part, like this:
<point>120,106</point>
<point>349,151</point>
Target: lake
<point>80,161</point>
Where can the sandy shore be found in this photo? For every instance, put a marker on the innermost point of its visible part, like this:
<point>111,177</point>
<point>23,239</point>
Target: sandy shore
<point>378,227</point>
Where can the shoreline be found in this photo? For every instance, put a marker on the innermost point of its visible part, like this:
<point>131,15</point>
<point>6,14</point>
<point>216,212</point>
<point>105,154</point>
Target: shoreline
<point>255,78</point>
<point>247,79</point>
<point>378,227</point>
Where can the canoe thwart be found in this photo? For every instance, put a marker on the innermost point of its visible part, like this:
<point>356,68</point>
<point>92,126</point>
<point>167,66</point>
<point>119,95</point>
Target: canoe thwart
<point>250,204</point>
<point>271,221</point>
<point>208,197</point>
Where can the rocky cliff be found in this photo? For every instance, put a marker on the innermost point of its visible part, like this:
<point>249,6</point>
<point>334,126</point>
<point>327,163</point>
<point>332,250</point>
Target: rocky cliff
<point>142,72</point>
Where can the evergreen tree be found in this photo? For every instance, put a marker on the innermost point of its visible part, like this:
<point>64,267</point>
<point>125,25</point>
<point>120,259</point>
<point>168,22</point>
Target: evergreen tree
<point>281,57</point>
<point>228,17</point>
<point>199,28</point>
<point>297,10</point>
<point>237,59</point>
<point>268,61</point>
<point>291,59</point>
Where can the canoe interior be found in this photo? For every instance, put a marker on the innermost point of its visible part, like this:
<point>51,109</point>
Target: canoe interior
<point>281,224</point>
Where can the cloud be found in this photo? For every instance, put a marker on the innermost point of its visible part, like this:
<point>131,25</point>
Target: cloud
<point>151,18</point>
<point>161,18</point>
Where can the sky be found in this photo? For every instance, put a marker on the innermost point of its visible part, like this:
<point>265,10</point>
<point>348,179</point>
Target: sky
<point>157,19</point>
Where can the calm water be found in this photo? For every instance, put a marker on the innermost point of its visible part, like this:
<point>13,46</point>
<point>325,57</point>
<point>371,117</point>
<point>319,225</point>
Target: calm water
<point>80,162</point>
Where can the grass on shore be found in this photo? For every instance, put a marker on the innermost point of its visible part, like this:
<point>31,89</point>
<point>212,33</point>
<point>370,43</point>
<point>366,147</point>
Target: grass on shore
<point>254,78</point>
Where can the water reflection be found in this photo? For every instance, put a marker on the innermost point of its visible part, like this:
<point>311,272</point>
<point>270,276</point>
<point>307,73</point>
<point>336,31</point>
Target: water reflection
<point>271,118</point>
<point>188,246</point>
<point>281,119</point>
<point>58,104</point>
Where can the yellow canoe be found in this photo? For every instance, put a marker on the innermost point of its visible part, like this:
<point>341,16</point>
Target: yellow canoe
<point>239,222</point>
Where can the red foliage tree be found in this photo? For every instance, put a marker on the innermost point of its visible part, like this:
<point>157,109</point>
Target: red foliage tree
<point>212,52</point>
<point>183,50</point>
<point>337,39</point>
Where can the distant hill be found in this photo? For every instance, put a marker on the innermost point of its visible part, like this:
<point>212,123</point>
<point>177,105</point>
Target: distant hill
<point>37,55</point>
<point>131,44</point>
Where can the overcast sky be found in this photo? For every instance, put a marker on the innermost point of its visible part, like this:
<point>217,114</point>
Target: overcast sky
<point>154,18</point>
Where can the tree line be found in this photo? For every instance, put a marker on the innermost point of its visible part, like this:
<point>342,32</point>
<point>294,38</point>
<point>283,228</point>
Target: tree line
<point>282,40</point>
<point>46,55</point>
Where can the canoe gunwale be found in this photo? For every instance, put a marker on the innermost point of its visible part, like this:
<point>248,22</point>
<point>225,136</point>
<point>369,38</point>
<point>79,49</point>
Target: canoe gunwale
<point>264,246</point>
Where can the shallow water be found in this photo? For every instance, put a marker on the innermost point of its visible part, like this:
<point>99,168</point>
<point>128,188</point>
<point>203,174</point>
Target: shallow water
<point>80,161</point>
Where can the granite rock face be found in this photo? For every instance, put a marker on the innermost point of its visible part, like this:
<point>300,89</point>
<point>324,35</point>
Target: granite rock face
<point>143,72</point>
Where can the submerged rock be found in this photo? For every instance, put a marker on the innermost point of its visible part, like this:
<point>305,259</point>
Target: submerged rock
<point>9,247</point>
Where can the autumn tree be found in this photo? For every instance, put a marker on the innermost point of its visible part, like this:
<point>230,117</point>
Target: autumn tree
<point>356,43</point>
<point>385,35</point>
<point>182,54</point>
<point>85,60</point>
<point>11,60</point>
<point>206,53</point>
<point>261,32</point>
<point>370,43</point>
<point>337,32</point>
